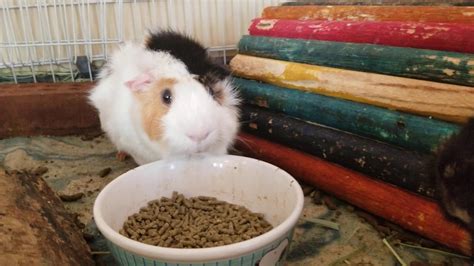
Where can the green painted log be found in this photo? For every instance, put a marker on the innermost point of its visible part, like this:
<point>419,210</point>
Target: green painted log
<point>400,167</point>
<point>439,66</point>
<point>401,129</point>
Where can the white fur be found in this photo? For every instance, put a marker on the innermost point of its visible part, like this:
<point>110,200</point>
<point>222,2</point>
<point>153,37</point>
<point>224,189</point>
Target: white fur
<point>193,111</point>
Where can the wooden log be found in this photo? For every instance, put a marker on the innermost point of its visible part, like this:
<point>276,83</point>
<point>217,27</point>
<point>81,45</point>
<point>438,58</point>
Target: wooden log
<point>35,228</point>
<point>403,168</point>
<point>439,66</point>
<point>404,130</point>
<point>46,109</point>
<point>447,102</point>
<point>412,212</point>
<point>435,36</point>
<point>441,14</point>
<point>382,3</point>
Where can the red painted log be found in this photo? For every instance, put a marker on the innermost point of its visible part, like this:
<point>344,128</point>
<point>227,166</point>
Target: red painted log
<point>435,36</point>
<point>408,210</point>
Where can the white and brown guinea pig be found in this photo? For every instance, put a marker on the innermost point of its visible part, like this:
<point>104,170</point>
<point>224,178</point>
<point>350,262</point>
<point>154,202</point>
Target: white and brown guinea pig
<point>166,98</point>
<point>455,176</point>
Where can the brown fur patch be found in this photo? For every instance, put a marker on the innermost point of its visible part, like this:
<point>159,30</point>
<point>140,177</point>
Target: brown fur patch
<point>452,208</point>
<point>153,109</point>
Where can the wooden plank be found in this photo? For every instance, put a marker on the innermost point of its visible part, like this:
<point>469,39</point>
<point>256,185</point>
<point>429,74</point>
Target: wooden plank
<point>373,13</point>
<point>444,101</point>
<point>454,37</point>
<point>35,228</point>
<point>46,109</point>
<point>404,130</point>
<point>439,66</point>
<point>402,168</point>
<point>410,211</point>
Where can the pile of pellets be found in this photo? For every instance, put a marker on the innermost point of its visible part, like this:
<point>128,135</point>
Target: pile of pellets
<point>198,222</point>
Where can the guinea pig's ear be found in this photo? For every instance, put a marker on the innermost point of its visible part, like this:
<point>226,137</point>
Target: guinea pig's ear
<point>140,82</point>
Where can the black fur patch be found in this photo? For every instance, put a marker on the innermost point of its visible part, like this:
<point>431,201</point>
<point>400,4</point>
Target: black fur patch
<point>455,171</point>
<point>190,52</point>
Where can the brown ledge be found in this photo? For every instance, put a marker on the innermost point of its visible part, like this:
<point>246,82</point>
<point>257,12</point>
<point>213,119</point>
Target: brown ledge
<point>46,109</point>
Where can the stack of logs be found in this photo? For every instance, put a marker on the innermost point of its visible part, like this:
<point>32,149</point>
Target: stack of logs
<point>356,100</point>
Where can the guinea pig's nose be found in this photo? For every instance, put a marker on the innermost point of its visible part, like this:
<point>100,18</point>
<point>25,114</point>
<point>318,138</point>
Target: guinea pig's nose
<point>198,136</point>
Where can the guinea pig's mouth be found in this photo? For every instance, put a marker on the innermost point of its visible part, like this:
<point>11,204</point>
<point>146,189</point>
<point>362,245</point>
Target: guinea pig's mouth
<point>200,149</point>
<point>194,149</point>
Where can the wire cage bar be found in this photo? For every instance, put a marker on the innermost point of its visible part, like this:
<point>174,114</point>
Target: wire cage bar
<point>69,40</point>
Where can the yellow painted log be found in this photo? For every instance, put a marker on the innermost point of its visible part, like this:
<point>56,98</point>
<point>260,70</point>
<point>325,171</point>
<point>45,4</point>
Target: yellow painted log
<point>444,101</point>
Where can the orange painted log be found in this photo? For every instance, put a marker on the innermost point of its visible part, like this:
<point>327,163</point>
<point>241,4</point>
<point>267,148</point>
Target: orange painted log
<point>373,13</point>
<point>408,210</point>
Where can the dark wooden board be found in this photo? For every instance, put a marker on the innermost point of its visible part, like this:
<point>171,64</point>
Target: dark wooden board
<point>403,168</point>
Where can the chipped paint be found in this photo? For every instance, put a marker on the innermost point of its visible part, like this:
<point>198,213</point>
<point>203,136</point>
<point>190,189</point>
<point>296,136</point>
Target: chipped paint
<point>448,72</point>
<point>427,36</point>
<point>266,24</point>
<point>262,103</point>
<point>421,217</point>
<point>453,60</point>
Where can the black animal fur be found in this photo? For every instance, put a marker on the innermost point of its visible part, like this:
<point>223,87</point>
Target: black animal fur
<point>191,53</point>
<point>455,174</point>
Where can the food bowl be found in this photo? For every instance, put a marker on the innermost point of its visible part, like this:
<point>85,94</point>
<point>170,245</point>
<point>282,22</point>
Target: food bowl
<point>257,185</point>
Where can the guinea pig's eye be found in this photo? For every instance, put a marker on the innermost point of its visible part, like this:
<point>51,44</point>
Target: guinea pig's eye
<point>167,97</point>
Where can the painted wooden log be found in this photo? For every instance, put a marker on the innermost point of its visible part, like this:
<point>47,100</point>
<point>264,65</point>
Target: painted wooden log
<point>373,13</point>
<point>439,66</point>
<point>35,228</point>
<point>435,36</point>
<point>381,2</point>
<point>444,101</point>
<point>403,168</point>
<point>410,211</point>
<point>401,129</point>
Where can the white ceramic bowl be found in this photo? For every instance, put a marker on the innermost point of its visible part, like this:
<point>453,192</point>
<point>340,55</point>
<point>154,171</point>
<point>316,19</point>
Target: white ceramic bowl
<point>259,186</point>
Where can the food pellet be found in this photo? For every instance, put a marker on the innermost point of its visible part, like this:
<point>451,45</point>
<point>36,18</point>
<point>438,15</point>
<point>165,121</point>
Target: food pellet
<point>196,222</point>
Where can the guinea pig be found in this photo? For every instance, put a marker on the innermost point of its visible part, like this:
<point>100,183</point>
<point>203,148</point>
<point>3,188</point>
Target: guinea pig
<point>155,103</point>
<point>455,176</point>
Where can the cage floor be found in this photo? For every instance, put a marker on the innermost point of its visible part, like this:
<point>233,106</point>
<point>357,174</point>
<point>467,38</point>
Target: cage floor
<point>75,165</point>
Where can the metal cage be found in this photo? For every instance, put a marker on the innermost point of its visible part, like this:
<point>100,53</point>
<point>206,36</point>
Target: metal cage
<point>69,40</point>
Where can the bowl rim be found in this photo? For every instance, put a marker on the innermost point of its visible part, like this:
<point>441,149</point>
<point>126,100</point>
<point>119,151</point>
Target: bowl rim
<point>199,254</point>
